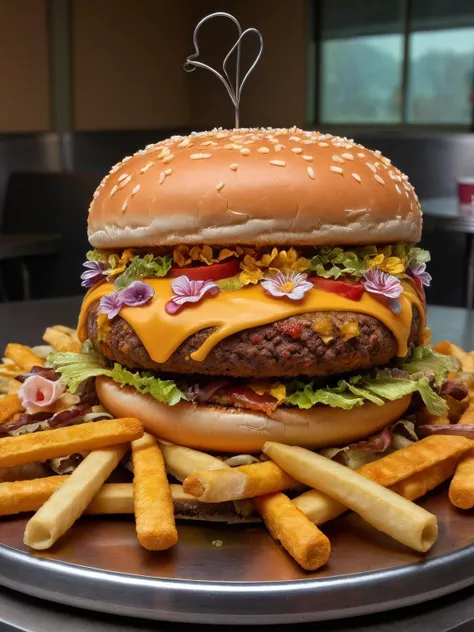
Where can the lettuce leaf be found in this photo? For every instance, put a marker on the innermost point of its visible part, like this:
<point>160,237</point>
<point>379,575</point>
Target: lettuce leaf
<point>75,368</point>
<point>143,267</point>
<point>421,373</point>
<point>428,362</point>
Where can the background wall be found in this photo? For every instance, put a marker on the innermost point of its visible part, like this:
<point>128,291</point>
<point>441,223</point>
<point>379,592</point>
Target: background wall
<point>24,66</point>
<point>127,64</point>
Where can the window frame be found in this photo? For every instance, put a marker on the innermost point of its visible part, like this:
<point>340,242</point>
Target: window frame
<point>315,13</point>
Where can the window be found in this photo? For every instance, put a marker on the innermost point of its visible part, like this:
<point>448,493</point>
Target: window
<point>396,61</point>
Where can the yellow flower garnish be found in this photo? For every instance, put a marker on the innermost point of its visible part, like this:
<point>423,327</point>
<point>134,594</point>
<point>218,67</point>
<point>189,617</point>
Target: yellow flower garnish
<point>276,390</point>
<point>376,260</point>
<point>122,263</point>
<point>393,265</point>
<point>184,255</point>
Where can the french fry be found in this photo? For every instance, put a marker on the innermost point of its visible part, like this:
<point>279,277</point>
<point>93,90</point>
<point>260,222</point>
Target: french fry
<point>245,481</point>
<point>50,444</point>
<point>456,408</point>
<point>14,386</point>
<point>426,418</point>
<point>9,406</point>
<point>423,482</point>
<point>388,471</point>
<point>457,352</point>
<point>385,510</point>
<point>443,346</point>
<point>300,537</point>
<point>461,489</point>
<point>113,498</point>
<point>153,505</point>
<point>61,341</point>
<point>182,462</point>
<point>66,330</point>
<point>23,356</point>
<point>70,500</point>
<point>467,363</point>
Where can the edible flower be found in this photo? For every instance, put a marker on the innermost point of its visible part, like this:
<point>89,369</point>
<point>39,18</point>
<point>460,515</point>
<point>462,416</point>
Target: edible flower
<point>94,272</point>
<point>376,281</point>
<point>251,273</point>
<point>37,393</point>
<point>185,255</point>
<point>136,294</point>
<point>188,291</point>
<point>419,272</point>
<point>293,286</point>
<point>111,304</point>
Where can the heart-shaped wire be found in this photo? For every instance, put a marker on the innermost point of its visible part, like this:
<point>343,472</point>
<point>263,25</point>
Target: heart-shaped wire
<point>234,92</point>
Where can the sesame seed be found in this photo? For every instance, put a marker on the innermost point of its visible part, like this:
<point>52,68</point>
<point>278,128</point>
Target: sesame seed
<point>184,143</point>
<point>263,150</point>
<point>199,156</point>
<point>404,177</point>
<point>146,167</point>
<point>295,138</point>
<point>278,163</point>
<point>307,158</point>
<point>124,205</point>
<point>168,172</point>
<point>115,168</point>
<point>397,189</point>
<point>336,169</point>
<point>377,152</point>
<point>338,159</point>
<point>114,190</point>
<point>166,151</point>
<point>249,141</point>
<point>208,142</point>
<point>162,177</point>
<point>310,172</point>
<point>136,189</point>
<point>220,186</point>
<point>361,155</point>
<point>245,151</point>
<point>347,156</point>
<point>234,166</point>
<point>406,186</point>
<point>279,147</point>
<point>307,141</point>
<point>126,159</point>
<point>371,167</point>
<point>323,144</point>
<point>386,161</point>
<point>122,177</point>
<point>357,177</point>
<point>125,182</point>
<point>168,158</point>
<point>379,179</point>
<point>96,193</point>
<point>297,150</point>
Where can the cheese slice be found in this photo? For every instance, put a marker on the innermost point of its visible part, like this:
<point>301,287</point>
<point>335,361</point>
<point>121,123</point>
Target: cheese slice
<point>231,312</point>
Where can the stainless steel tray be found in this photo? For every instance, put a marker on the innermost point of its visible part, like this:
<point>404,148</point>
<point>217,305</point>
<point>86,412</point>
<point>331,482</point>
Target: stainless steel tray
<point>249,579</point>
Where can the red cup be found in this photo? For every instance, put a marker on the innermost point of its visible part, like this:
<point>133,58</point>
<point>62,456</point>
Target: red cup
<point>466,192</point>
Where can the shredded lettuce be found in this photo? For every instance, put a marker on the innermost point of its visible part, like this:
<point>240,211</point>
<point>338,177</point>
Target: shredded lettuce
<point>143,267</point>
<point>334,262</point>
<point>75,368</point>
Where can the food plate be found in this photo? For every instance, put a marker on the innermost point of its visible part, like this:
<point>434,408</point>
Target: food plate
<point>238,574</point>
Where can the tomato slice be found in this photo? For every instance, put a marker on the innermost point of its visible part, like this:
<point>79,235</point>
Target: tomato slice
<point>353,291</point>
<point>418,285</point>
<point>213,272</point>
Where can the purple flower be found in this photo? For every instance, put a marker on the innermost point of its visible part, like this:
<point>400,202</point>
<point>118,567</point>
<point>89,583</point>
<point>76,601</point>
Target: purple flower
<point>378,282</point>
<point>419,272</point>
<point>111,304</point>
<point>188,291</point>
<point>292,285</point>
<point>136,294</point>
<point>95,272</point>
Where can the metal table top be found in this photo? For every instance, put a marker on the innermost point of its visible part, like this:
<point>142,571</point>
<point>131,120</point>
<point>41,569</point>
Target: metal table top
<point>25,322</point>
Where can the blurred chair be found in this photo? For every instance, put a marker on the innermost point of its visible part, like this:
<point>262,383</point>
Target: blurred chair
<point>47,206</point>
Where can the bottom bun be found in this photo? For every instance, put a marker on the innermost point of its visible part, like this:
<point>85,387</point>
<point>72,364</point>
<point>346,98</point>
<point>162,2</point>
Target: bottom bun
<point>220,429</point>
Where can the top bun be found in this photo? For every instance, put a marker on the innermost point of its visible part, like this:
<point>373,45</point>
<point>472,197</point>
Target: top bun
<point>256,187</point>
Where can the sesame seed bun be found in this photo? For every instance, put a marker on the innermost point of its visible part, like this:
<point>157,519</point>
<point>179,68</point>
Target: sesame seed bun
<point>254,186</point>
<point>209,427</point>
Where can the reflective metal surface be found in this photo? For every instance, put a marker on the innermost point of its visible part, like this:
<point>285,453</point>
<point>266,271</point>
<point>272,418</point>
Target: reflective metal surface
<point>250,579</point>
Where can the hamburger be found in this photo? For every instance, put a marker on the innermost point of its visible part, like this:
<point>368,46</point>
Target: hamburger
<point>257,284</point>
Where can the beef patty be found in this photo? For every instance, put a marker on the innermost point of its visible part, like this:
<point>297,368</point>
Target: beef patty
<point>285,348</point>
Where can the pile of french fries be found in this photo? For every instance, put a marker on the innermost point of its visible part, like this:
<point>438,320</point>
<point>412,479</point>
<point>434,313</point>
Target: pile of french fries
<point>275,488</point>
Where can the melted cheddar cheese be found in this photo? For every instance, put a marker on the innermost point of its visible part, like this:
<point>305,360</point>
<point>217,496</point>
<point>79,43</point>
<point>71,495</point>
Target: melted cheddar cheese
<point>231,312</point>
